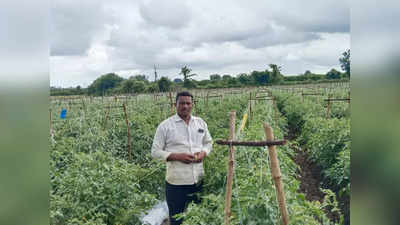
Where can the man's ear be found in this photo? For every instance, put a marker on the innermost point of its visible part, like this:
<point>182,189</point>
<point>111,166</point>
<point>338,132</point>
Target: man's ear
<point>175,104</point>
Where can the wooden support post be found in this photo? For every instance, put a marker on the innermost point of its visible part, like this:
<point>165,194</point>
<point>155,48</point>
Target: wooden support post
<point>129,133</point>
<point>302,96</point>
<point>207,99</point>
<point>83,104</point>
<point>171,102</point>
<point>329,106</point>
<point>349,98</point>
<point>106,119</point>
<point>250,112</point>
<point>51,125</point>
<point>275,108</point>
<point>228,197</point>
<point>276,175</point>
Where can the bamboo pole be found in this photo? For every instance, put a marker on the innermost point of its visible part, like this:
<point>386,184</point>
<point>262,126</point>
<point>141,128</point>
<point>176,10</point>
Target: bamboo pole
<point>348,98</point>
<point>171,102</point>
<point>276,175</point>
<point>250,112</point>
<point>207,99</point>
<point>129,133</point>
<point>51,126</point>
<point>329,107</point>
<point>275,108</point>
<point>228,197</point>
<point>106,119</point>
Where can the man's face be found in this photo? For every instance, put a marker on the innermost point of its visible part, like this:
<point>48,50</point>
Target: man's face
<point>184,106</point>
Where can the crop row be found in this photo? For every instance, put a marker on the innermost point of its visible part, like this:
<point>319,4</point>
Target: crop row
<point>327,141</point>
<point>254,196</point>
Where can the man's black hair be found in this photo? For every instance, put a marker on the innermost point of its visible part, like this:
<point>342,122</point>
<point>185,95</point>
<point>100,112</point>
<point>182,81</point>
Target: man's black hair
<point>183,93</point>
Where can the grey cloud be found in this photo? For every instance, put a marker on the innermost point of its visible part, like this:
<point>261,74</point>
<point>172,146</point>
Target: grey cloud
<point>199,34</point>
<point>74,26</point>
<point>278,38</point>
<point>173,14</point>
<point>329,16</point>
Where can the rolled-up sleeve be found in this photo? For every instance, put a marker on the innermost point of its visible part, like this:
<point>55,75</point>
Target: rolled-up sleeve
<point>158,147</point>
<point>207,140</point>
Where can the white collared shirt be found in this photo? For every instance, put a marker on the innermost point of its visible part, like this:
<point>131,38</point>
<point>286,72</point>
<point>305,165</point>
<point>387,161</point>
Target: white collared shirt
<point>173,135</point>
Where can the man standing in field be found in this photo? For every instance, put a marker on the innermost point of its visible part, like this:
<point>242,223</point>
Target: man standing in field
<point>183,141</point>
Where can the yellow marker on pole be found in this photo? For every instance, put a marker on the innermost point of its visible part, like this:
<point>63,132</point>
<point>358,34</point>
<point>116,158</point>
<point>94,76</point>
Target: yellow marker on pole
<point>243,121</point>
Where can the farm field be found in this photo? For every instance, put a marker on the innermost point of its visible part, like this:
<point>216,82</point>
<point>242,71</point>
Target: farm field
<point>101,170</point>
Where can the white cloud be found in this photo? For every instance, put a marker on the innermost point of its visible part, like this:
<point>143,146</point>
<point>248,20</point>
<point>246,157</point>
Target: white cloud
<point>223,36</point>
<point>172,13</point>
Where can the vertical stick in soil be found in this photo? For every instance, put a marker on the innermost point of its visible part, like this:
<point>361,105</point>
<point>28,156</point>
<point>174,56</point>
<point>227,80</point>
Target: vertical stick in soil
<point>329,106</point>
<point>228,197</point>
<point>129,133</point>
<point>50,122</point>
<point>276,175</point>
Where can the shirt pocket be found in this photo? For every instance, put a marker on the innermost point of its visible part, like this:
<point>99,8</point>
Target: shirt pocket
<point>198,136</point>
<point>175,138</point>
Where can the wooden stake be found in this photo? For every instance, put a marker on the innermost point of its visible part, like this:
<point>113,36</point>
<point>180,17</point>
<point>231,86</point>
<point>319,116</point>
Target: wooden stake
<point>276,175</point>
<point>106,119</point>
<point>51,128</point>
<point>329,106</point>
<point>207,99</point>
<point>171,102</point>
<point>349,98</point>
<point>275,108</point>
<point>250,112</point>
<point>129,133</point>
<point>228,197</point>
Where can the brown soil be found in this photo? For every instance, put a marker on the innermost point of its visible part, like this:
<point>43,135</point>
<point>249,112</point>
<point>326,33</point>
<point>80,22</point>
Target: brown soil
<point>310,180</point>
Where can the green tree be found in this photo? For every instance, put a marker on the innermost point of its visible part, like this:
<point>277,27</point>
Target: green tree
<point>139,77</point>
<point>139,86</point>
<point>153,87</point>
<point>307,73</point>
<point>185,71</point>
<point>276,75</point>
<point>104,84</point>
<point>333,74</point>
<point>215,77</point>
<point>189,84</point>
<point>164,84</point>
<point>260,77</point>
<point>127,86</point>
<point>345,62</point>
<point>244,79</point>
<point>226,77</point>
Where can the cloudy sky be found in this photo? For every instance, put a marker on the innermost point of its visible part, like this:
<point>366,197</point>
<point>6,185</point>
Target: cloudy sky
<point>94,37</point>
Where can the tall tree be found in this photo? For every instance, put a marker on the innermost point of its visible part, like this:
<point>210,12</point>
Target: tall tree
<point>333,74</point>
<point>104,83</point>
<point>276,75</point>
<point>345,62</point>
<point>185,71</point>
<point>215,77</point>
<point>127,85</point>
<point>260,77</point>
<point>244,78</point>
<point>164,84</point>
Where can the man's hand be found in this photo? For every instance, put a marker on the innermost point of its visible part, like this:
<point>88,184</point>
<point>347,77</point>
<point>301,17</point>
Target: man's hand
<point>182,157</point>
<point>199,156</point>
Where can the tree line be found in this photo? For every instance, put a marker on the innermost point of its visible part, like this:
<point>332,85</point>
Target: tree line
<point>111,83</point>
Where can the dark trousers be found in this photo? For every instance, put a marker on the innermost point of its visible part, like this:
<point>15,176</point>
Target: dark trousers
<point>178,197</point>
